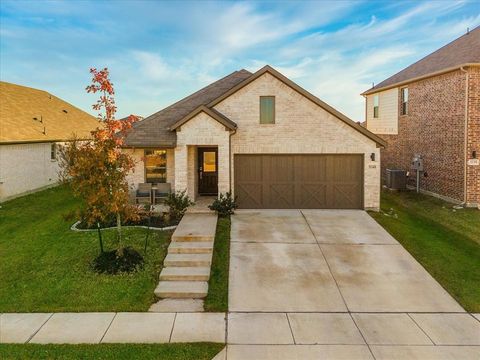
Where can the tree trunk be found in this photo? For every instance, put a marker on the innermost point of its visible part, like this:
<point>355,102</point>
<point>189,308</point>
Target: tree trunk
<point>119,232</point>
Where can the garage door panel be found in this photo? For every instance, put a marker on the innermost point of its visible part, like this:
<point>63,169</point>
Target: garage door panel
<point>280,196</point>
<point>311,196</point>
<point>306,181</point>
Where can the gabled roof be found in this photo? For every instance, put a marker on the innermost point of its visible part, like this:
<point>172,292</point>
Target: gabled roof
<point>464,51</point>
<point>154,130</point>
<point>302,91</point>
<point>222,119</point>
<point>32,115</point>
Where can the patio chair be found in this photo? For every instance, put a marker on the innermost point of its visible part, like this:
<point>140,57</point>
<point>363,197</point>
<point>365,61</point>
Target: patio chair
<point>144,193</point>
<point>161,192</point>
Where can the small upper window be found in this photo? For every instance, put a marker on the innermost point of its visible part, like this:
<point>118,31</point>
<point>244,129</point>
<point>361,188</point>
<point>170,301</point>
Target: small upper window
<point>404,101</point>
<point>267,109</point>
<point>53,151</point>
<point>375,106</point>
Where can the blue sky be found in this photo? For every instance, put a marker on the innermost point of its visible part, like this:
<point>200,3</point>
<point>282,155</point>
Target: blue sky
<point>158,52</point>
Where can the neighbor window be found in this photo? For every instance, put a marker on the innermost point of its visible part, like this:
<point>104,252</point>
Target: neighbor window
<point>53,151</point>
<point>267,110</point>
<point>375,106</point>
<point>156,166</point>
<point>404,101</point>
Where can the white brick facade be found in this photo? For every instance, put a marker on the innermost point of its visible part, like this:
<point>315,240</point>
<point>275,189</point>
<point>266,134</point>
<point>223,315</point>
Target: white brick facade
<point>25,168</point>
<point>301,127</point>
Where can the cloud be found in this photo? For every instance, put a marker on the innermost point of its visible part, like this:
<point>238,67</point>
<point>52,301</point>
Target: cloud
<point>159,52</point>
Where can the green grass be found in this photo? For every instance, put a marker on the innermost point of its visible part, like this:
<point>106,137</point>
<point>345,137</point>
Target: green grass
<point>198,351</point>
<point>217,298</point>
<point>444,240</point>
<point>46,267</point>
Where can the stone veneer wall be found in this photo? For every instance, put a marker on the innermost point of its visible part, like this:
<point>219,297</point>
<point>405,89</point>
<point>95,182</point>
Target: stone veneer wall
<point>300,127</point>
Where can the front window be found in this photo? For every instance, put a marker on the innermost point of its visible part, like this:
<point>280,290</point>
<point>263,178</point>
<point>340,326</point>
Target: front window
<point>267,109</point>
<point>375,106</point>
<point>404,101</point>
<point>156,166</point>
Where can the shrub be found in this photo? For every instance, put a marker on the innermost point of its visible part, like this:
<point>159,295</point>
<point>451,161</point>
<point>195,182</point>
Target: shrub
<point>225,205</point>
<point>178,202</point>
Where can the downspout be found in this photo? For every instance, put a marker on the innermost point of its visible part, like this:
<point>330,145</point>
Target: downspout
<point>466,138</point>
<point>230,159</point>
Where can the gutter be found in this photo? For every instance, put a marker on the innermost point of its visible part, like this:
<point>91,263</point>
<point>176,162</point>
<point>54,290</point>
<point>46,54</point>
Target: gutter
<point>421,77</point>
<point>465,138</point>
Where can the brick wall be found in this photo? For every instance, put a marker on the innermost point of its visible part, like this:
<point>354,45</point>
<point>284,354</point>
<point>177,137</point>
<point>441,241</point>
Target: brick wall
<point>433,128</point>
<point>473,137</point>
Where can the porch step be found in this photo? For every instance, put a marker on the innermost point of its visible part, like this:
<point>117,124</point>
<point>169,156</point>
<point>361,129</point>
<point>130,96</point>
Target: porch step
<point>188,260</point>
<point>182,289</point>
<point>190,247</point>
<point>196,227</point>
<point>185,274</point>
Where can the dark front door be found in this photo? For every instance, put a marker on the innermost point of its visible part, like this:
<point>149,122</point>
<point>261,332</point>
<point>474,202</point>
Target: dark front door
<point>207,171</point>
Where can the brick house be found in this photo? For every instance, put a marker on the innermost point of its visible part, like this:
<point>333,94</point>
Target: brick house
<point>264,138</point>
<point>32,125</point>
<point>432,108</point>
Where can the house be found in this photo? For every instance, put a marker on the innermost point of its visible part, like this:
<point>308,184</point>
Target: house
<point>432,109</point>
<point>263,137</point>
<point>32,124</point>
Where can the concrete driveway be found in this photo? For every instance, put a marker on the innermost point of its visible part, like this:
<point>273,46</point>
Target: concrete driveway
<point>325,261</point>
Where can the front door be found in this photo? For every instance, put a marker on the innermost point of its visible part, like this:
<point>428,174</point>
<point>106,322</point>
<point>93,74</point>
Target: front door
<point>207,171</point>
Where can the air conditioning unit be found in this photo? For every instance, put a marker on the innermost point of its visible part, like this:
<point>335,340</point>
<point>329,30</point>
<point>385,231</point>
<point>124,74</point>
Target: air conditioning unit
<point>396,179</point>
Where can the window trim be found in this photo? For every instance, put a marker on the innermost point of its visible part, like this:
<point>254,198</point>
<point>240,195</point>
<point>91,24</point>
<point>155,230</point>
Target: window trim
<point>376,114</point>
<point>145,164</point>
<point>260,109</point>
<point>402,113</point>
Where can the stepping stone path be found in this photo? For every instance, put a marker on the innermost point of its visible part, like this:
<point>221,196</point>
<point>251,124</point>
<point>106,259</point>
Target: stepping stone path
<point>184,278</point>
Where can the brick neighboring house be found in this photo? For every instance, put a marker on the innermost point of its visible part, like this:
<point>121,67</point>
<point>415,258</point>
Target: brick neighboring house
<point>32,124</point>
<point>263,137</point>
<point>432,108</point>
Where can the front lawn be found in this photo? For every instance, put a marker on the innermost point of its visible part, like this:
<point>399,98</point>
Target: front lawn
<point>446,241</point>
<point>46,267</point>
<point>198,351</point>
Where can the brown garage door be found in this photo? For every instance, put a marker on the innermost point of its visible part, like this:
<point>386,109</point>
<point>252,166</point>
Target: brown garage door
<point>299,181</point>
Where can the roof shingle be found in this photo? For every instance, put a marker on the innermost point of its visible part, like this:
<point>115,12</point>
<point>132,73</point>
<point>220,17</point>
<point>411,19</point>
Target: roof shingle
<point>32,115</point>
<point>154,130</point>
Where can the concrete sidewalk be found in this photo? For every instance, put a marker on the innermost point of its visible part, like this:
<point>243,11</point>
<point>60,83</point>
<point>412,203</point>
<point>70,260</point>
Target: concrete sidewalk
<point>94,328</point>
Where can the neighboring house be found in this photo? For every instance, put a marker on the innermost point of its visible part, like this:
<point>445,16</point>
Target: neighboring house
<point>432,109</point>
<point>261,136</point>
<point>32,124</point>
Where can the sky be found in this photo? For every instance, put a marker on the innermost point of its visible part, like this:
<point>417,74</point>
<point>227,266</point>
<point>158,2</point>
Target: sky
<point>158,52</point>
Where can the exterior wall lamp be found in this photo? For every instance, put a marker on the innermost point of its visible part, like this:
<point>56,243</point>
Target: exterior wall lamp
<point>372,156</point>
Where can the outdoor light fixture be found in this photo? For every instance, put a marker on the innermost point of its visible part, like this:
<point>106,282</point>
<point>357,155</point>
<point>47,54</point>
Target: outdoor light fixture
<point>474,154</point>
<point>372,156</point>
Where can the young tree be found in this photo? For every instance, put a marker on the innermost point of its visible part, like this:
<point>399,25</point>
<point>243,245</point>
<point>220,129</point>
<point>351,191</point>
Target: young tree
<point>97,169</point>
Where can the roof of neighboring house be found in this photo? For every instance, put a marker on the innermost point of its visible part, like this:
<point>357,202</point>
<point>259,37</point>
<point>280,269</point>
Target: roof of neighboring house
<point>463,51</point>
<point>157,129</point>
<point>154,130</point>
<point>32,115</point>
